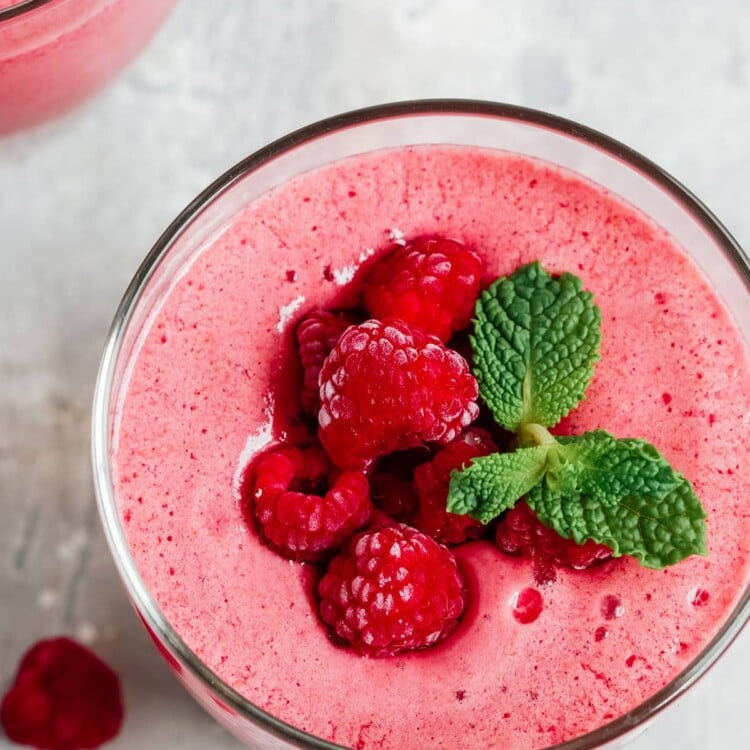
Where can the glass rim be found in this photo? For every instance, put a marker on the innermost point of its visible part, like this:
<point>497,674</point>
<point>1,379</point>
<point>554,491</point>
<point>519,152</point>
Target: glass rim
<point>106,501</point>
<point>21,7</point>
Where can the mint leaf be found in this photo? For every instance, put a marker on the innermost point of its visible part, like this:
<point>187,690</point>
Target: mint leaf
<point>625,495</point>
<point>536,340</point>
<point>492,484</point>
<point>609,468</point>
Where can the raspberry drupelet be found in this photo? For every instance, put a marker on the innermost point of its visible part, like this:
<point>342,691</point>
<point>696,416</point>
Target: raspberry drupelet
<point>392,590</point>
<point>387,387</point>
<point>430,283</point>
<point>296,521</point>
<point>521,533</point>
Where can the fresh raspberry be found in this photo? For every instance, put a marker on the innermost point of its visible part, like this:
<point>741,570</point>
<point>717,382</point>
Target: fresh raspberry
<point>63,698</point>
<point>394,495</point>
<point>392,483</point>
<point>297,521</point>
<point>317,334</point>
<point>432,480</point>
<point>432,284</point>
<point>392,590</point>
<point>387,387</point>
<point>521,533</point>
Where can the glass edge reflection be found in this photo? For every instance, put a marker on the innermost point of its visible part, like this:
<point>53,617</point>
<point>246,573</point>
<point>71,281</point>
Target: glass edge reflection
<point>21,7</point>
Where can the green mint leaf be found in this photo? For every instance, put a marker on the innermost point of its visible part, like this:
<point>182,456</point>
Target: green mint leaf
<point>536,340</point>
<point>492,484</point>
<point>609,469</point>
<point>625,495</point>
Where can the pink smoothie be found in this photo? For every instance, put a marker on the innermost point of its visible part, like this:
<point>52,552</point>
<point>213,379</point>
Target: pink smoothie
<point>53,57</point>
<point>674,370</point>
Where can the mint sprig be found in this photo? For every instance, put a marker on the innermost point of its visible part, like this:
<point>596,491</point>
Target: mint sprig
<point>535,345</point>
<point>536,340</point>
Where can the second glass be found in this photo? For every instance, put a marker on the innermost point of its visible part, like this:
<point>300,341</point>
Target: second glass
<point>56,53</point>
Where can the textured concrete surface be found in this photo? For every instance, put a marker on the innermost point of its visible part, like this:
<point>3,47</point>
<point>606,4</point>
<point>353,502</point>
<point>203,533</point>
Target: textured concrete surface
<point>82,199</point>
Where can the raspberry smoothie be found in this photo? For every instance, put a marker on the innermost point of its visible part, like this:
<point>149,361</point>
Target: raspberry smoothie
<point>206,391</point>
<point>57,53</point>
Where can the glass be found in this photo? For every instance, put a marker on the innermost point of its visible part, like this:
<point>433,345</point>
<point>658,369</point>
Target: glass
<point>56,53</point>
<point>524,131</point>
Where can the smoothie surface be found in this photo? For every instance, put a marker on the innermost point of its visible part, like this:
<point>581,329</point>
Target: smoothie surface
<point>204,394</point>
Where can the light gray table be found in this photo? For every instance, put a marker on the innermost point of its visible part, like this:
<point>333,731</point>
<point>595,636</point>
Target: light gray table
<point>82,200</point>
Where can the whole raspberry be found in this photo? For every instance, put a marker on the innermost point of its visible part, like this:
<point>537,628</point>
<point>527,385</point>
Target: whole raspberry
<point>432,480</point>
<point>522,533</point>
<point>317,334</point>
<point>430,283</point>
<point>387,387</point>
<point>293,518</point>
<point>63,698</point>
<point>392,590</point>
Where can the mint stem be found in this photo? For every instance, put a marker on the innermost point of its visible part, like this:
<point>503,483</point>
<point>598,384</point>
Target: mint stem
<point>534,434</point>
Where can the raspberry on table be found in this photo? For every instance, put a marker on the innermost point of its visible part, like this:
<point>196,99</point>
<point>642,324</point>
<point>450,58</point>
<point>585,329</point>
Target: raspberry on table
<point>386,387</point>
<point>316,335</point>
<point>430,283</point>
<point>392,590</point>
<point>522,533</point>
<point>64,697</point>
<point>431,483</point>
<point>294,517</point>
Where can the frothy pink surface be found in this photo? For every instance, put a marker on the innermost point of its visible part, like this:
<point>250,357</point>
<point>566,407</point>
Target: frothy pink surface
<point>673,370</point>
<point>53,57</point>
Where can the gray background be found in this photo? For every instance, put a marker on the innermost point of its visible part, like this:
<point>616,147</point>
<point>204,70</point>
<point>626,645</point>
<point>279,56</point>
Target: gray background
<point>82,200</point>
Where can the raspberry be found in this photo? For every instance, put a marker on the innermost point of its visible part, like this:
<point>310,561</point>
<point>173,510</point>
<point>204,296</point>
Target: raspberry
<point>392,590</point>
<point>63,698</point>
<point>431,284</point>
<point>394,495</point>
<point>387,387</point>
<point>431,481</point>
<point>317,334</point>
<point>392,483</point>
<point>305,526</point>
<point>521,533</point>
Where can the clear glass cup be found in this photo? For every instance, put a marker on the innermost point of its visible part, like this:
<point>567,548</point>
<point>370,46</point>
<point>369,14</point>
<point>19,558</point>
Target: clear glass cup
<point>56,53</point>
<point>524,131</point>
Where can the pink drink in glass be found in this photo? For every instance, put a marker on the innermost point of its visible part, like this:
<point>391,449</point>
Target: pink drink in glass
<point>203,388</point>
<point>56,53</point>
